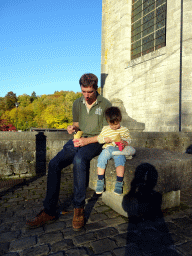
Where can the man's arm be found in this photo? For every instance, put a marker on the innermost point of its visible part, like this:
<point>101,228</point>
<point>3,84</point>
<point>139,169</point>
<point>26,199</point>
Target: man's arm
<point>85,141</point>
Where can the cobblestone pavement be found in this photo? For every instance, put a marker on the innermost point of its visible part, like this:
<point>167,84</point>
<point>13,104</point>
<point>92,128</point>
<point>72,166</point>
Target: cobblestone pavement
<point>106,233</point>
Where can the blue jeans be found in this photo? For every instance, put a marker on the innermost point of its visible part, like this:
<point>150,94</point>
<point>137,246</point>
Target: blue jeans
<point>106,154</point>
<point>80,157</point>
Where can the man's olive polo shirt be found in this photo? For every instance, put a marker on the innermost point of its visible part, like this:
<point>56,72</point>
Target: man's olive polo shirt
<point>90,123</point>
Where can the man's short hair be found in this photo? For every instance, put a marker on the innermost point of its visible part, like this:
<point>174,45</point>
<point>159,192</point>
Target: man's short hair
<point>113,115</point>
<point>89,80</point>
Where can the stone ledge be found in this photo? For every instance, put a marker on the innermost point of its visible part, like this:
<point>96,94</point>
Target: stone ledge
<point>169,172</point>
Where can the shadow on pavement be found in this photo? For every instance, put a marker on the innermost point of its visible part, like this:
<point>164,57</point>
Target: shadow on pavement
<point>90,205</point>
<point>147,231</point>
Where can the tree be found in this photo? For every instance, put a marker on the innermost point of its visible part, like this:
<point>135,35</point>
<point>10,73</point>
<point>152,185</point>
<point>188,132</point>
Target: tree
<point>24,100</point>
<point>10,100</point>
<point>33,96</point>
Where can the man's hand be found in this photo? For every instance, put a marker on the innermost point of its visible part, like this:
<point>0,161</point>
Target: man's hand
<point>71,129</point>
<point>81,142</point>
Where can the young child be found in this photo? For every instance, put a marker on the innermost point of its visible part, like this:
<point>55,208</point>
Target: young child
<point>107,136</point>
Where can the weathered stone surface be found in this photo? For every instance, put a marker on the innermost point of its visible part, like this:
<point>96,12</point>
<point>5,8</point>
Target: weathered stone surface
<point>59,225</point>
<point>4,248</point>
<point>165,170</point>
<point>22,243</point>
<point>103,245</point>
<point>149,84</point>
<point>106,232</point>
<point>8,236</point>
<point>37,251</point>
<point>130,250</point>
<point>77,251</point>
<point>85,238</point>
<point>50,237</point>
<point>62,245</point>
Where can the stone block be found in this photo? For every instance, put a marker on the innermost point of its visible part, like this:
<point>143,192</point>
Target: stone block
<point>164,168</point>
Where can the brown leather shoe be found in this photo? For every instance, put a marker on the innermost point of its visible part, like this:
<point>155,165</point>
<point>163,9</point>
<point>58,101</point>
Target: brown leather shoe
<point>78,219</point>
<point>41,219</point>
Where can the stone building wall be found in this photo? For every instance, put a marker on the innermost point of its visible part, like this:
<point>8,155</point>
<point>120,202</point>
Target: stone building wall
<point>148,85</point>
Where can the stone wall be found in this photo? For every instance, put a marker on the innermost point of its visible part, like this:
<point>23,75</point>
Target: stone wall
<point>27,154</point>
<point>148,85</point>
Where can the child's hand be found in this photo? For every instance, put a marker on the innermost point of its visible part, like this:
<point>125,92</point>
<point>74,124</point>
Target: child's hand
<point>124,143</point>
<point>107,140</point>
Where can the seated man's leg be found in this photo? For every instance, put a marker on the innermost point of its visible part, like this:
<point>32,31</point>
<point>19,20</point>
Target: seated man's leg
<point>80,167</point>
<point>60,161</point>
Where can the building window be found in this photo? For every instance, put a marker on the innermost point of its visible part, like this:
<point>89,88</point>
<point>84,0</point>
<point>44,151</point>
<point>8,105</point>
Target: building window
<point>148,26</point>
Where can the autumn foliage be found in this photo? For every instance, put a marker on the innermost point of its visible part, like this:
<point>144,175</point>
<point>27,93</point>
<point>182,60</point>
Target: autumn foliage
<point>6,126</point>
<point>45,111</point>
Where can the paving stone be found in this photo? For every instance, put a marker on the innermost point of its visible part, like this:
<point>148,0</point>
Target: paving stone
<point>62,245</point>
<point>31,232</point>
<point>183,222</point>
<point>4,227</point>
<point>4,248</point>
<point>18,225</point>
<point>14,219</point>
<point>12,254</point>
<point>187,232</point>
<point>69,232</point>
<point>111,214</point>
<point>58,254</point>
<point>130,250</point>
<point>23,243</point>
<point>166,252</point>
<point>101,209</point>
<point>104,254</point>
<point>185,248</point>
<point>123,227</point>
<point>51,238</point>
<point>103,245</point>
<point>95,226</point>
<point>85,238</point>
<point>58,225</point>
<point>150,240</point>
<point>37,251</point>
<point>173,238</point>
<point>6,215</point>
<point>78,251</point>
<point>115,221</point>
<point>97,217</point>
<point>106,232</point>
<point>9,236</point>
<point>127,238</point>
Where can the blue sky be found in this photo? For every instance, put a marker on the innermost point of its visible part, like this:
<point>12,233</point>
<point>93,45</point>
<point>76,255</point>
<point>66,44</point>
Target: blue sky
<point>46,45</point>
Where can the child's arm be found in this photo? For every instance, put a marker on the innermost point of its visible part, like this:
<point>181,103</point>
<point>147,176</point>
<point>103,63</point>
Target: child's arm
<point>102,138</point>
<point>126,137</point>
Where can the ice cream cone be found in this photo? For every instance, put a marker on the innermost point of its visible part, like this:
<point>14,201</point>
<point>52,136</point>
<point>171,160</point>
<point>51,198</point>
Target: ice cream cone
<point>78,135</point>
<point>117,138</point>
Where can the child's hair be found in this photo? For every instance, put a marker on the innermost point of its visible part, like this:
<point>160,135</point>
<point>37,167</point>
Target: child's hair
<point>113,115</point>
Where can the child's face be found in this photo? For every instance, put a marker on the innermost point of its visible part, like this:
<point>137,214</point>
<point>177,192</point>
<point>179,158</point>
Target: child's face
<point>114,126</point>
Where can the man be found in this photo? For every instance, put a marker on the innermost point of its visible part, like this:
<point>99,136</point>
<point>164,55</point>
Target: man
<point>89,117</point>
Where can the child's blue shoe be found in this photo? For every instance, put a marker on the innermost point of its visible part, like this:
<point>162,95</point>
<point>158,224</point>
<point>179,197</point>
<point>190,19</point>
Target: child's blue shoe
<point>118,188</point>
<point>100,186</point>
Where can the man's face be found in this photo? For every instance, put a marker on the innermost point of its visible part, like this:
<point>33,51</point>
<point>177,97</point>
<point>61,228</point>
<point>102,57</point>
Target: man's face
<point>89,94</point>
